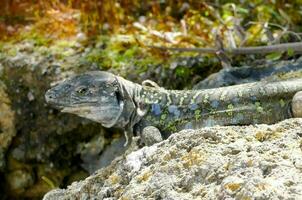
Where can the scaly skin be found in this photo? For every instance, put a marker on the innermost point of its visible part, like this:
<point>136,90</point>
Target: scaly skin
<point>133,107</point>
<point>252,103</point>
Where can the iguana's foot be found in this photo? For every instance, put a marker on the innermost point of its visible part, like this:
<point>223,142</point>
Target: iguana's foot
<point>151,135</point>
<point>297,105</point>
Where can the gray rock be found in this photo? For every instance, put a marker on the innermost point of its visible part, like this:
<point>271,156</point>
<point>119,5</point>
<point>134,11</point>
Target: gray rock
<point>235,162</point>
<point>246,74</point>
<point>151,135</point>
<point>7,124</point>
<point>95,158</point>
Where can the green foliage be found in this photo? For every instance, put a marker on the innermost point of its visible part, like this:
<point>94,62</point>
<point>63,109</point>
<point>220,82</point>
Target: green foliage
<point>182,71</point>
<point>117,33</point>
<point>93,16</point>
<point>118,51</point>
<point>39,40</point>
<point>274,56</point>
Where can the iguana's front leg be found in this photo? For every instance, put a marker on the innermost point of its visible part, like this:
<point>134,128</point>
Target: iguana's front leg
<point>150,135</point>
<point>297,105</point>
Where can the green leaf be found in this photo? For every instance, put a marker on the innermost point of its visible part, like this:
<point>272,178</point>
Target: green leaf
<point>290,52</point>
<point>242,10</point>
<point>274,56</point>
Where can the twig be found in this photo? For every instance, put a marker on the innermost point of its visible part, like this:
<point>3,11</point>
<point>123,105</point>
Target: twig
<point>295,47</point>
<point>167,36</point>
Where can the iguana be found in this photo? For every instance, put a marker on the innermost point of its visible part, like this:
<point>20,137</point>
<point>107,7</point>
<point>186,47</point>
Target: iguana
<point>116,102</point>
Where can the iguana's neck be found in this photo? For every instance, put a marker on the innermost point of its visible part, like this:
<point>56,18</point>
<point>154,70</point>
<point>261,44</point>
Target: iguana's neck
<point>128,116</point>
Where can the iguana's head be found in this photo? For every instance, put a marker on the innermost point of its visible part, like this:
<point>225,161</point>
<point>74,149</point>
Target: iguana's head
<point>94,95</point>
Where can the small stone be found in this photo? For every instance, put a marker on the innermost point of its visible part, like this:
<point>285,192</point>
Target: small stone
<point>151,135</point>
<point>296,105</point>
<point>30,96</point>
<point>19,179</point>
<point>81,36</point>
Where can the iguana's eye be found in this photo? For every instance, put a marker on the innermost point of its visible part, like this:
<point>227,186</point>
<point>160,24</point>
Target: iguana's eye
<point>82,90</point>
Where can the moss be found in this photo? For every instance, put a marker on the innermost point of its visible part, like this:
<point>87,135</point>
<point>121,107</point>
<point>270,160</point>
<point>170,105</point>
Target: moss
<point>183,71</point>
<point>65,43</point>
<point>289,75</point>
<point>233,186</point>
<point>259,108</point>
<point>120,51</point>
<point>11,52</point>
<point>197,114</point>
<point>193,158</point>
<point>1,46</point>
<point>114,179</point>
<point>282,103</point>
<point>38,39</point>
<point>145,176</point>
<point>261,136</point>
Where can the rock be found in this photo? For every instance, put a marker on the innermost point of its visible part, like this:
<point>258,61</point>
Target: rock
<point>246,74</point>
<point>7,124</point>
<point>235,162</point>
<point>19,181</point>
<point>151,135</point>
<point>35,138</point>
<point>95,155</point>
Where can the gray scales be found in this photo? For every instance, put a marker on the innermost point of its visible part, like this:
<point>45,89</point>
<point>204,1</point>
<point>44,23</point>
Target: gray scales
<point>149,109</point>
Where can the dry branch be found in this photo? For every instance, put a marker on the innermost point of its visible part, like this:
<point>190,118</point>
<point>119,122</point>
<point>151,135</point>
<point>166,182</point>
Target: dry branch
<point>295,47</point>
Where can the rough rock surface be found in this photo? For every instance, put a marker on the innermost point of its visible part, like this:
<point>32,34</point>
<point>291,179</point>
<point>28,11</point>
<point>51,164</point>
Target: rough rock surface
<point>275,71</point>
<point>7,126</point>
<point>41,148</point>
<point>247,162</point>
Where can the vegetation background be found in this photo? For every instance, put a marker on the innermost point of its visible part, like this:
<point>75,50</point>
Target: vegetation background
<point>122,30</point>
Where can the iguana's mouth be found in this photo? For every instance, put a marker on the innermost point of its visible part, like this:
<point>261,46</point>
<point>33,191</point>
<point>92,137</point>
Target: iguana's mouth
<point>77,110</point>
<point>52,99</point>
<point>77,106</point>
<point>61,106</point>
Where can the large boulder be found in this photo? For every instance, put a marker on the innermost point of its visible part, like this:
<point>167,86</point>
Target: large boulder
<point>247,162</point>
